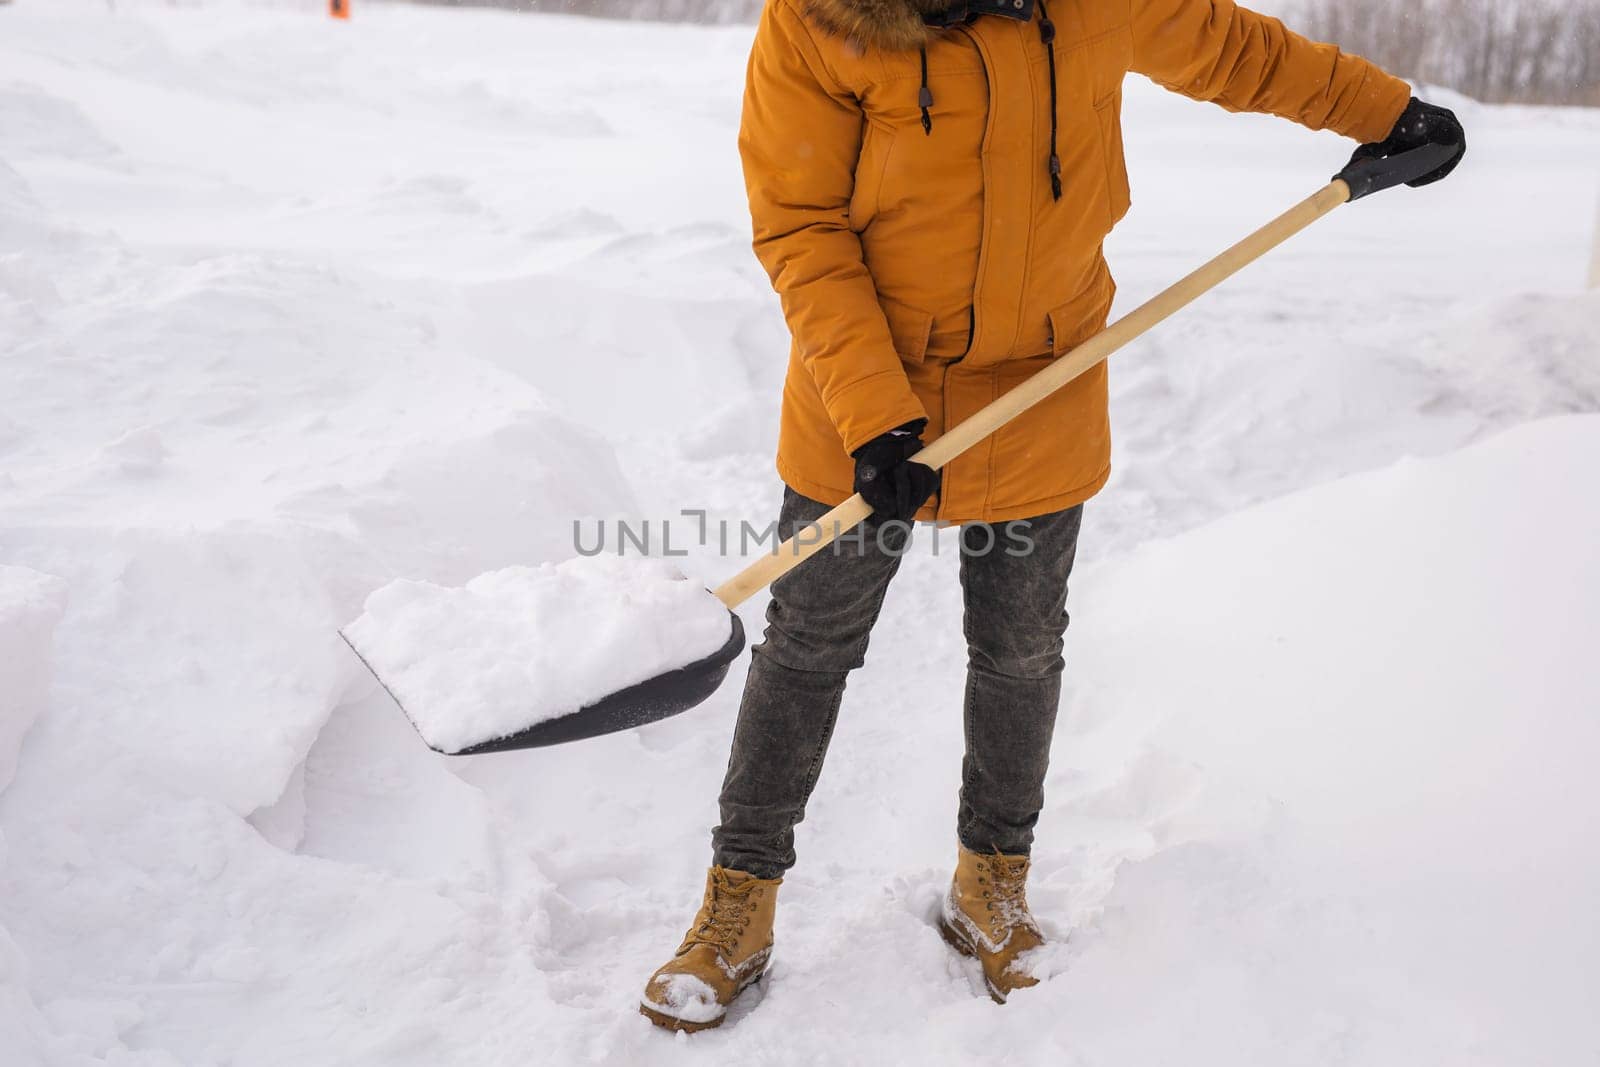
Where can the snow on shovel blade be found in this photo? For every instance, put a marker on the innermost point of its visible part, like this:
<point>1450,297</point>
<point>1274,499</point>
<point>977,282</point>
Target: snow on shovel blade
<point>649,701</point>
<point>534,656</point>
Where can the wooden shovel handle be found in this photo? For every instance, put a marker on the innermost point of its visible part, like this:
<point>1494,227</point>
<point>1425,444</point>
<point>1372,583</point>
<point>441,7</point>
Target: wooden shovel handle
<point>1095,350</point>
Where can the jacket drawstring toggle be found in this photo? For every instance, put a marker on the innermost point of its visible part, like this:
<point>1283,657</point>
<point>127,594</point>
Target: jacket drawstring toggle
<point>925,94</point>
<point>1047,33</point>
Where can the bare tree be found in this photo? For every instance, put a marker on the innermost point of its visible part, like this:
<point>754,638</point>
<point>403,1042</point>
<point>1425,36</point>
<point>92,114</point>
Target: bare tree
<point>1532,51</point>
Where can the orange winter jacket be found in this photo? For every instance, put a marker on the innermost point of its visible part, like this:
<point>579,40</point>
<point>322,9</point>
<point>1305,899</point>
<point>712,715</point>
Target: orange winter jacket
<point>922,274</point>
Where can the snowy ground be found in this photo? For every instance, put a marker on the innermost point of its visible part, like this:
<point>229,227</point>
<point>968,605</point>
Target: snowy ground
<point>290,308</point>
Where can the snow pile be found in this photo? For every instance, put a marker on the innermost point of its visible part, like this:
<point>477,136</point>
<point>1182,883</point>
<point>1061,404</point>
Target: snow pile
<point>30,606</point>
<point>1532,355</point>
<point>1358,725</point>
<point>519,646</point>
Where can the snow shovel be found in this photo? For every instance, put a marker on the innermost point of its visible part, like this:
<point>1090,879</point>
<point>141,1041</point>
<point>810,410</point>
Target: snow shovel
<point>678,690</point>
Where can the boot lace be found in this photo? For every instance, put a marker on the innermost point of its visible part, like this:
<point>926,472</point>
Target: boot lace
<point>1005,893</point>
<point>724,917</point>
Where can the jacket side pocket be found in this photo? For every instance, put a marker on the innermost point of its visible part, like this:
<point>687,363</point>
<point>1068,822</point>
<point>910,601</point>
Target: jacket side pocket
<point>910,327</point>
<point>1076,321</point>
<point>1109,115</point>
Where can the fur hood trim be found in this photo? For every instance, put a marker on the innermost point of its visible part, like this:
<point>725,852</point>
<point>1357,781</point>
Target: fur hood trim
<point>893,25</point>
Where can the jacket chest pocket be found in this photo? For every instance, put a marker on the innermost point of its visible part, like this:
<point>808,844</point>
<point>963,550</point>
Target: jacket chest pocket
<point>1089,111</point>
<point>890,92</point>
<point>877,143</point>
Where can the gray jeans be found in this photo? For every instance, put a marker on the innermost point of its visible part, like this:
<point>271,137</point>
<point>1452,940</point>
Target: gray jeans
<point>818,624</point>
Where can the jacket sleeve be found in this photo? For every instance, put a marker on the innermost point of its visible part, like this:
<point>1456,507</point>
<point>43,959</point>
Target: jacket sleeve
<point>1215,50</point>
<point>799,140</point>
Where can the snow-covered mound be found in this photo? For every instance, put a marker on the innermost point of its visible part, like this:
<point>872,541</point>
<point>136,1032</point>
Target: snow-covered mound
<point>1320,796</point>
<point>1358,727</point>
<point>30,607</point>
<point>515,647</point>
<point>290,309</point>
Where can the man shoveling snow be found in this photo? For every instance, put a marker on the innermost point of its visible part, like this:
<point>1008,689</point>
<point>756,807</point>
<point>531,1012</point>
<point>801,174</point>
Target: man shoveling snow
<point>929,189</point>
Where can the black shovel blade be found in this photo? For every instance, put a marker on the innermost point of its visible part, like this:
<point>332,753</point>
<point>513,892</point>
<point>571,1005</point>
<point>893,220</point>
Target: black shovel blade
<point>649,701</point>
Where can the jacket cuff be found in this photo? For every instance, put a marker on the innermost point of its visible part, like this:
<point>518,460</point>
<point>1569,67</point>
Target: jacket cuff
<point>861,414</point>
<point>1383,98</point>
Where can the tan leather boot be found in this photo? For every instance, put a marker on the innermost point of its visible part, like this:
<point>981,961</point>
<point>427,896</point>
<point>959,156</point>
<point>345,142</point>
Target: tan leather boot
<point>724,952</point>
<point>986,917</point>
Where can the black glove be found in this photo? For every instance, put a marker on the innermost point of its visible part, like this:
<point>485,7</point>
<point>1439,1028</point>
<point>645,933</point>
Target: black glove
<point>1421,124</point>
<point>894,487</point>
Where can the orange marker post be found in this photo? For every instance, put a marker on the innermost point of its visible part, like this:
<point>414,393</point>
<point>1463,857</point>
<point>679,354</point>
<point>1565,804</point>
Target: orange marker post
<point>339,9</point>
